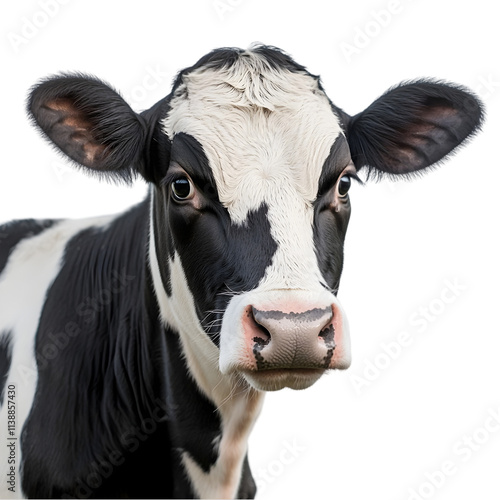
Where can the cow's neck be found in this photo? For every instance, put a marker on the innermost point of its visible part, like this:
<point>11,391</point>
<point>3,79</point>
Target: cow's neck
<point>226,407</point>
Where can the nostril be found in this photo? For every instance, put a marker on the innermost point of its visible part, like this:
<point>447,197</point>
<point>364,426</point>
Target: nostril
<point>262,341</point>
<point>263,337</point>
<point>328,334</point>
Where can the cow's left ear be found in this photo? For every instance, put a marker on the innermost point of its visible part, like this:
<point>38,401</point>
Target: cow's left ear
<point>413,126</point>
<point>91,123</point>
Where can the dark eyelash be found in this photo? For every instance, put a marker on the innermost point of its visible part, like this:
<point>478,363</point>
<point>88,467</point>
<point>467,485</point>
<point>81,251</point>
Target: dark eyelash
<point>355,177</point>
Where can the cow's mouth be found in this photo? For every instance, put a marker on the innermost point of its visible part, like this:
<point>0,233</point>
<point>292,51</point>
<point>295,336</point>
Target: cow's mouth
<point>275,380</point>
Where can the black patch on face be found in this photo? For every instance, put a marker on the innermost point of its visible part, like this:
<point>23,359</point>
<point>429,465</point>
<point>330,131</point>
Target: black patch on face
<point>14,232</point>
<point>330,226</point>
<point>219,258</point>
<point>337,160</point>
<point>5,361</point>
<point>329,235</point>
<point>189,154</point>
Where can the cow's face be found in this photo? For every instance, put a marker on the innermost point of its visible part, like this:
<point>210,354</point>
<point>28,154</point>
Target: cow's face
<point>256,203</point>
<point>251,167</point>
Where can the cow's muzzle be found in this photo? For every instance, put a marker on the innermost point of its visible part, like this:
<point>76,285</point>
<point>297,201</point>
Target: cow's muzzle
<point>289,340</point>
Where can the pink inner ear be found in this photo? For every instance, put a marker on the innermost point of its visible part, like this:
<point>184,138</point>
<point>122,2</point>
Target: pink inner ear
<point>60,104</point>
<point>92,150</point>
<point>432,127</point>
<point>432,119</point>
<point>78,128</point>
<point>438,114</point>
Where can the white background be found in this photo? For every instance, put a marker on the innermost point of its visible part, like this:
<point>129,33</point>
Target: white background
<point>406,243</point>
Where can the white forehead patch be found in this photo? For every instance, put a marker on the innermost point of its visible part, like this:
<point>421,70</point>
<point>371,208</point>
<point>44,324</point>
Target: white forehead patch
<point>266,131</point>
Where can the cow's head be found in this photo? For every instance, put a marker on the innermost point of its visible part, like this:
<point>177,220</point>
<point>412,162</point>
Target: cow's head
<point>250,166</point>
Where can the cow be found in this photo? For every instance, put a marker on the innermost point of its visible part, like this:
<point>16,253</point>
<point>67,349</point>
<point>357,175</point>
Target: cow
<point>136,349</point>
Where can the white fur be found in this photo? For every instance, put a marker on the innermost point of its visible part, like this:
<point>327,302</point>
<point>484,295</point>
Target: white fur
<point>262,135</point>
<point>30,270</point>
<point>267,133</point>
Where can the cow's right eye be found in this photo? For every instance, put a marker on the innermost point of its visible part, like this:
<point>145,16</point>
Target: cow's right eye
<point>182,189</point>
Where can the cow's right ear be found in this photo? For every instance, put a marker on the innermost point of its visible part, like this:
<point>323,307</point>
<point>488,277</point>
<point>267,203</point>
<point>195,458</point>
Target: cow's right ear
<point>90,123</point>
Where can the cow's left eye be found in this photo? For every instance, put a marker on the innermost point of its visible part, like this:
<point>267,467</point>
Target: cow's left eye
<point>344,185</point>
<point>182,189</point>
